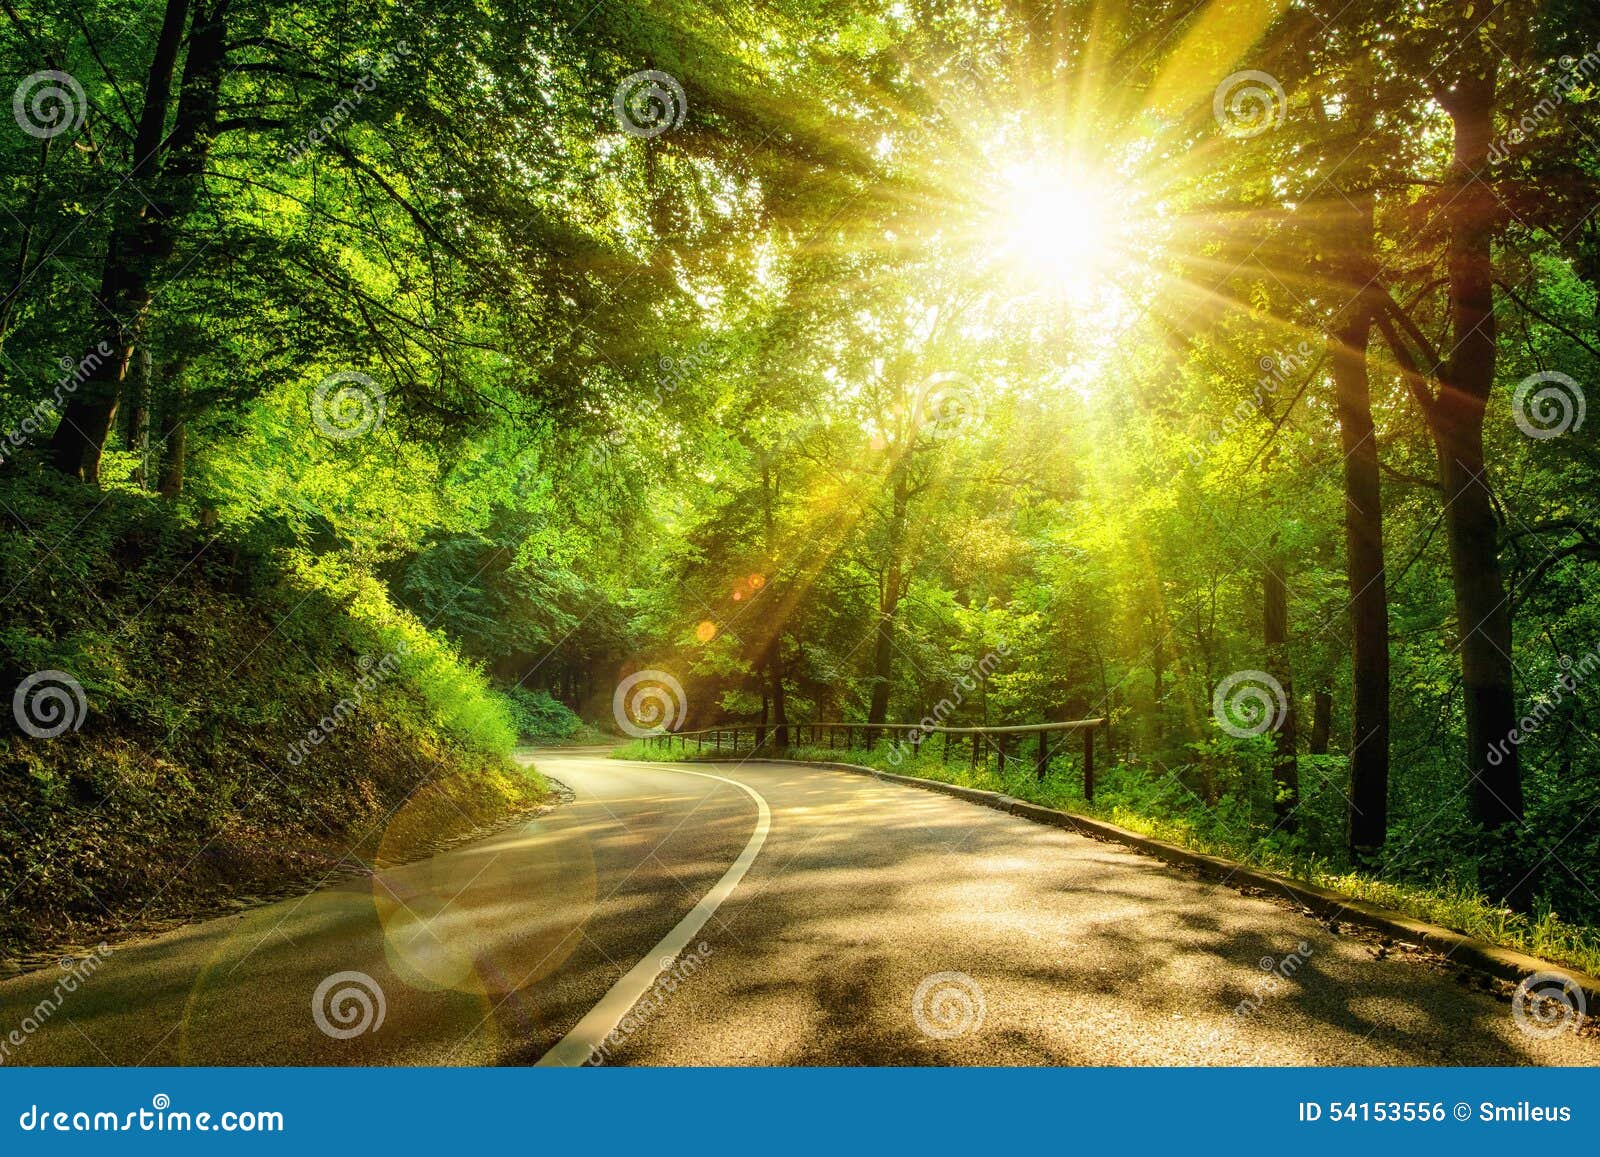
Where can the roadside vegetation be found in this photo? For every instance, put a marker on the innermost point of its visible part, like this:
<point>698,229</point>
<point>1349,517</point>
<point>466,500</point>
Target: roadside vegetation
<point>1165,810</point>
<point>1217,369</point>
<point>242,716</point>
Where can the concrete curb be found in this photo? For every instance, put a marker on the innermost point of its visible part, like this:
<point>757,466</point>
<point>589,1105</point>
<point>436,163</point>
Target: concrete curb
<point>1505,963</point>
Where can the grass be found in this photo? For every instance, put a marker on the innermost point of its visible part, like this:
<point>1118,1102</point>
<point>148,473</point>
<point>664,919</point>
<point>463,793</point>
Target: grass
<point>250,714</point>
<point>1130,799</point>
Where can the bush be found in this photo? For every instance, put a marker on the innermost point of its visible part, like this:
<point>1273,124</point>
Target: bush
<point>539,718</point>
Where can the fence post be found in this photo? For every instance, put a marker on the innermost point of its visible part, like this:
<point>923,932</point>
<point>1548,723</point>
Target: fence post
<point>1044,754</point>
<point>1088,763</point>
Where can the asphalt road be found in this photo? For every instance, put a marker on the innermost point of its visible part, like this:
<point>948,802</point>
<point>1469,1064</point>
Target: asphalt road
<point>866,924</point>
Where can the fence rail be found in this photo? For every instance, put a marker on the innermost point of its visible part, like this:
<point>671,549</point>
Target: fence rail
<point>1003,743</point>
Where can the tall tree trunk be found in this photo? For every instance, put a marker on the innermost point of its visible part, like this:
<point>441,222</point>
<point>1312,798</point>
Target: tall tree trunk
<point>139,418</point>
<point>175,449</point>
<point>168,166</point>
<point>1363,534</point>
<point>771,486</point>
<point>889,603</point>
<point>1321,721</point>
<point>1483,612</point>
<point>780,709</point>
<point>1285,768</point>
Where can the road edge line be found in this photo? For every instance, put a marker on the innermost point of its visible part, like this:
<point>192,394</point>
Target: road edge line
<point>572,1050</point>
<point>1505,963</point>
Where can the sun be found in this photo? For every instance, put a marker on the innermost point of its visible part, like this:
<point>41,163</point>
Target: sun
<point>1060,226</point>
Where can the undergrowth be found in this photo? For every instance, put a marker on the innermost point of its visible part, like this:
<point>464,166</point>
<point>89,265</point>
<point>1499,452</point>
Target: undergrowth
<point>250,714</point>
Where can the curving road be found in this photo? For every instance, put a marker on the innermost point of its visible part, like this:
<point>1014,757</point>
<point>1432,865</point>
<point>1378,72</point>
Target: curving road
<point>803,916</point>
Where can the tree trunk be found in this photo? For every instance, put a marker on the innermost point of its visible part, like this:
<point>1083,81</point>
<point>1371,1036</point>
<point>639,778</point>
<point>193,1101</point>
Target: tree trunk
<point>771,487</point>
<point>172,459</point>
<point>1363,535</point>
<point>780,710</point>
<point>139,418</point>
<point>1483,613</point>
<point>1285,768</point>
<point>144,236</point>
<point>1321,721</point>
<point>888,604</point>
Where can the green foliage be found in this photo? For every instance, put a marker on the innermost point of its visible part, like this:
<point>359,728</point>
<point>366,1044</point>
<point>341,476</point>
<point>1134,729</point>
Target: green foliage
<point>778,402</point>
<point>248,717</point>
<point>541,719</point>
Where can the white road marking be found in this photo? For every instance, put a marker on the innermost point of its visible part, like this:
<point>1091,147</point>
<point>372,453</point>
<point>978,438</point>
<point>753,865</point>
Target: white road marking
<point>602,1020</point>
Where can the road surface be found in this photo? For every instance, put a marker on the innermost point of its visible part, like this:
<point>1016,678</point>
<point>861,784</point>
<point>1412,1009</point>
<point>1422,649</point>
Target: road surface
<point>804,916</point>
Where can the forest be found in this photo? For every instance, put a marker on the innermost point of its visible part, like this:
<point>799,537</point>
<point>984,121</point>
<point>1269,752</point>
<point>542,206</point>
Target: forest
<point>388,387</point>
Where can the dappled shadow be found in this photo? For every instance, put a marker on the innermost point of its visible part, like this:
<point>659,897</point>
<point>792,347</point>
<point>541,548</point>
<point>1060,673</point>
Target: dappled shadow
<point>1085,953</point>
